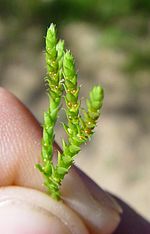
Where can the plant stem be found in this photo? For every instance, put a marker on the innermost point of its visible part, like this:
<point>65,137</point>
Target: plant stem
<point>62,77</point>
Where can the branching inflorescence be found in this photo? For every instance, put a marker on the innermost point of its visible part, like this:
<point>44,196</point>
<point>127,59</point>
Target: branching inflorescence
<point>62,82</point>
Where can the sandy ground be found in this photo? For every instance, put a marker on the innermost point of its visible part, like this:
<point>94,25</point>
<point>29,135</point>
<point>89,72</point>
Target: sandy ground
<point>118,157</point>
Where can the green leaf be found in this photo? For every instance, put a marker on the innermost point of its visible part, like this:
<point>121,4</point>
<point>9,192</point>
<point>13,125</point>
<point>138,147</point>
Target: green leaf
<point>74,149</point>
<point>62,170</point>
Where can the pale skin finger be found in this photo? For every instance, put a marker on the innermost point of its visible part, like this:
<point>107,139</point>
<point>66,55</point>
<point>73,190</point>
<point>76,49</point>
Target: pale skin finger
<point>31,211</point>
<point>20,149</point>
<point>20,136</point>
<point>15,158</point>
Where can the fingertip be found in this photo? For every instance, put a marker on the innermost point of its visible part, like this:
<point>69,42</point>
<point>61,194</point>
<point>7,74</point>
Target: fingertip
<point>37,213</point>
<point>20,135</point>
<point>20,149</point>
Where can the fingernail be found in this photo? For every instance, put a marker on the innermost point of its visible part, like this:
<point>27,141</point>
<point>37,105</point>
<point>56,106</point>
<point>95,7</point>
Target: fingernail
<point>98,193</point>
<point>99,211</point>
<point>28,211</point>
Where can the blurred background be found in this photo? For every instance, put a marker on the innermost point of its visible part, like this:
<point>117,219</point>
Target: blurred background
<point>111,43</point>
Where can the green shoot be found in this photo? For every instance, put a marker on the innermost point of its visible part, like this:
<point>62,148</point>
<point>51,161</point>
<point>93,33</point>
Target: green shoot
<point>61,80</point>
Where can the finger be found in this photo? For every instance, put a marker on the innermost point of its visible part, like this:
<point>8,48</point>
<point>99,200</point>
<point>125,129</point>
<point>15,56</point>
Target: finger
<point>131,221</point>
<point>20,136</point>
<point>36,213</point>
<point>19,151</point>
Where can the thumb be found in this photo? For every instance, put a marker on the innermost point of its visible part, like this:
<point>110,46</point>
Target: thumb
<point>20,137</point>
<point>30,211</point>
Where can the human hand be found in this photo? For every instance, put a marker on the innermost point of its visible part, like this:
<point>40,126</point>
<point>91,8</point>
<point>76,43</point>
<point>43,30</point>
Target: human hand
<point>23,203</point>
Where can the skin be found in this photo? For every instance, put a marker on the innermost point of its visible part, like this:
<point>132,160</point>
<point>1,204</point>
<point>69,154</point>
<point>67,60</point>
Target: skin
<point>85,207</point>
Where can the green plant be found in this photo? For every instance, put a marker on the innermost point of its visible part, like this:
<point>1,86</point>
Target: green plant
<point>62,81</point>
